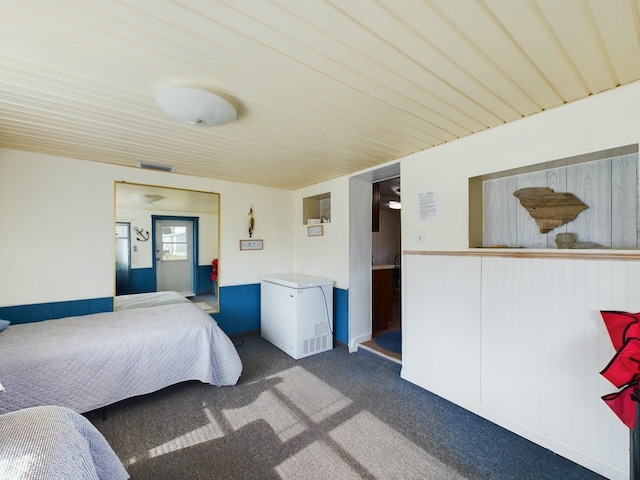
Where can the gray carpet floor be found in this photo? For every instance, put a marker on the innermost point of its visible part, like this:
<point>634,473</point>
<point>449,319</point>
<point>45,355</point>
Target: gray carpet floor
<point>333,415</point>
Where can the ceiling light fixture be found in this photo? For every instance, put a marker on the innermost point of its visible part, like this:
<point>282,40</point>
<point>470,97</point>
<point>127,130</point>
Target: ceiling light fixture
<point>394,205</point>
<point>197,107</point>
<point>148,198</point>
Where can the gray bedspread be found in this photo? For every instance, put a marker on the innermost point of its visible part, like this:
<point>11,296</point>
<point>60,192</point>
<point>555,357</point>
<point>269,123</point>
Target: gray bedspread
<point>55,443</point>
<point>91,361</point>
<point>151,299</point>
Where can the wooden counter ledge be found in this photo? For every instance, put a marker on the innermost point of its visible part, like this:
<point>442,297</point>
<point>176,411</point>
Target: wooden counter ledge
<point>573,254</point>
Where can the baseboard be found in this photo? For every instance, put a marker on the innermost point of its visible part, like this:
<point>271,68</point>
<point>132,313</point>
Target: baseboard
<point>355,342</point>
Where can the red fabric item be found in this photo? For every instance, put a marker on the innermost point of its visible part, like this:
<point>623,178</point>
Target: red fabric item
<point>632,330</point>
<point>624,367</point>
<point>214,270</point>
<point>617,324</point>
<point>623,404</point>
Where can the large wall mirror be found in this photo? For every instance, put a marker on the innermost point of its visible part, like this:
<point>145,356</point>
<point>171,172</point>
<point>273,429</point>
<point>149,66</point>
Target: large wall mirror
<point>166,241</point>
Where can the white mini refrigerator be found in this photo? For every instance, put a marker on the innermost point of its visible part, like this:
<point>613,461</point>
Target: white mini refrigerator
<point>296,313</point>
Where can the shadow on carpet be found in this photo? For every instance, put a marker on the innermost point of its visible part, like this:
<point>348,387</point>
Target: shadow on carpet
<point>327,416</point>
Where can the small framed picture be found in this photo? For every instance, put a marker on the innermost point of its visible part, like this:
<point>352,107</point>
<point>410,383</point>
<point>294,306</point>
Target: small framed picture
<point>251,244</point>
<point>315,230</point>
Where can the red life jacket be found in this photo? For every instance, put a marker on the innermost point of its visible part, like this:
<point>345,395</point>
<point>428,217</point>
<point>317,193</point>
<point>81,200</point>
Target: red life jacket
<point>623,404</point>
<point>621,325</point>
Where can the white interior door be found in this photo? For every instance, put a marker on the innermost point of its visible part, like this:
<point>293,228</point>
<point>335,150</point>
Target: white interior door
<point>174,256</point>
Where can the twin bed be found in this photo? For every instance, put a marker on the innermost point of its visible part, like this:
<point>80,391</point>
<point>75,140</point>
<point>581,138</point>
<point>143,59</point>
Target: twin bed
<point>84,363</point>
<point>55,443</point>
<point>152,299</point>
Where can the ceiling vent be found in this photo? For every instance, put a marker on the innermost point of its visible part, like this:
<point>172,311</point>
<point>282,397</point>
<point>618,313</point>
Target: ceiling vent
<point>156,166</point>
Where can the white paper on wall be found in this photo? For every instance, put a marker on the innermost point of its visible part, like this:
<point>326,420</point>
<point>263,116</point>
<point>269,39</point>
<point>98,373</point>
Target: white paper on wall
<point>427,205</point>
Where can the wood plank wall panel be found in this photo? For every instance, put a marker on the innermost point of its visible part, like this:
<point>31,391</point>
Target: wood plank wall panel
<point>624,196</point>
<point>441,338</point>
<point>609,187</point>
<point>544,344</point>
<point>500,213</point>
<point>591,183</point>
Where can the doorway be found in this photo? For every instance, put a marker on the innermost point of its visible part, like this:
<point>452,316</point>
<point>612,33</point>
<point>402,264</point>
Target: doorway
<point>175,254</point>
<point>386,259</point>
<point>361,252</point>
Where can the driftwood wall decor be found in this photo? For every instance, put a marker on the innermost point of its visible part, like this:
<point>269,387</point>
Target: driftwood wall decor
<point>548,208</point>
<point>608,186</point>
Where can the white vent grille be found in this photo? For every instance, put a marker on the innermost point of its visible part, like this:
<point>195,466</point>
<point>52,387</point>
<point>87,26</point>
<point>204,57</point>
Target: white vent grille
<point>314,344</point>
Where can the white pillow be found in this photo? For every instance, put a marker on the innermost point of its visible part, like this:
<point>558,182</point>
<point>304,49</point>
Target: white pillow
<point>4,324</point>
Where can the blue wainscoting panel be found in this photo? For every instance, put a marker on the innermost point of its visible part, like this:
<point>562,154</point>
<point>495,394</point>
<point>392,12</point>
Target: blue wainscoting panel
<point>239,309</point>
<point>341,314</point>
<point>47,311</point>
<point>142,280</point>
<point>205,284</point>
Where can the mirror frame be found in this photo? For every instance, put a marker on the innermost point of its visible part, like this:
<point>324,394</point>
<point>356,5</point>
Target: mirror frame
<point>177,202</point>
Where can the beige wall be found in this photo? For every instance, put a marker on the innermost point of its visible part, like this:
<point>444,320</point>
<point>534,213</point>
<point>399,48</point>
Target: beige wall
<point>326,256</point>
<point>58,243</point>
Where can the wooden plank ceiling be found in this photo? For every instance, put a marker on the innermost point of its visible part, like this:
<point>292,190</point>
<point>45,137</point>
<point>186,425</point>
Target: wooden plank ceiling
<point>323,88</point>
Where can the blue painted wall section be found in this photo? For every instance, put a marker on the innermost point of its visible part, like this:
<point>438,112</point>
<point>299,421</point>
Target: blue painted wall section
<point>239,309</point>
<point>47,311</point>
<point>142,280</point>
<point>341,314</point>
<point>205,284</point>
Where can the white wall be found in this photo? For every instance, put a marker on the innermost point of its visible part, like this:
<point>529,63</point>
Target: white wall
<point>58,240</point>
<point>440,294</point>
<point>326,256</point>
<point>603,121</point>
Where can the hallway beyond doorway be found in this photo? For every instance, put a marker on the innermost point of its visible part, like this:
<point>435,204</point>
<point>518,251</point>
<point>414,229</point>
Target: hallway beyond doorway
<point>394,325</point>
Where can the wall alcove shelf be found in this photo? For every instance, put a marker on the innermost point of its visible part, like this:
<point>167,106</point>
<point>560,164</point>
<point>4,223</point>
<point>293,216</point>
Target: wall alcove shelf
<point>593,196</point>
<point>316,209</point>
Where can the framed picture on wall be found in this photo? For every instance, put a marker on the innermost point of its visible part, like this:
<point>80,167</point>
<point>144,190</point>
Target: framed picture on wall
<point>315,230</point>
<point>251,244</point>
